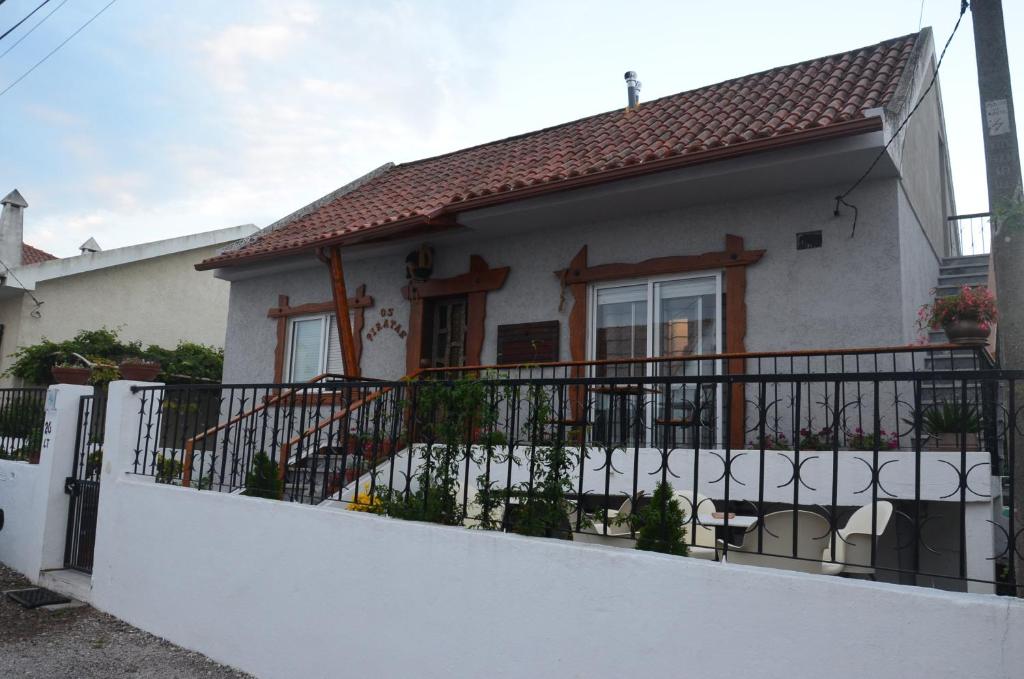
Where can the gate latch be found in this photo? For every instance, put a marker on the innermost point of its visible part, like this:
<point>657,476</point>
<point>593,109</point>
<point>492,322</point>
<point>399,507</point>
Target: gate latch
<point>70,487</point>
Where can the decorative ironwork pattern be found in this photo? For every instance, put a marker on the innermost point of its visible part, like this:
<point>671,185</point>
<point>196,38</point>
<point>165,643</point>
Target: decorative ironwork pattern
<point>845,469</point>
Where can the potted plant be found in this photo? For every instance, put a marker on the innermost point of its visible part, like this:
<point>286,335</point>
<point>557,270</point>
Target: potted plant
<point>946,423</point>
<point>966,317</point>
<point>139,369</point>
<point>68,373</point>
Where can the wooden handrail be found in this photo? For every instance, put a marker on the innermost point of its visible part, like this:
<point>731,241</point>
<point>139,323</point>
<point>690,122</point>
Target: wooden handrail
<point>347,410</point>
<point>802,353</point>
<point>190,444</point>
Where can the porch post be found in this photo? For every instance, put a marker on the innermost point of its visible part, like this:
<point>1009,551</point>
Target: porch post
<point>348,346</point>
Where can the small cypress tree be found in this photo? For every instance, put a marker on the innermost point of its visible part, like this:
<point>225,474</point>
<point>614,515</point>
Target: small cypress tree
<point>661,523</point>
<point>262,480</point>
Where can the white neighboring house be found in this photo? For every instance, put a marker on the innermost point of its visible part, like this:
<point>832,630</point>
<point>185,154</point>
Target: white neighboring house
<point>149,291</point>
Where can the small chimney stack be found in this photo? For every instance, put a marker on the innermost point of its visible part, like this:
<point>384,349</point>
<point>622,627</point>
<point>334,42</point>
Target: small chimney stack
<point>12,228</point>
<point>89,246</point>
<point>632,89</point>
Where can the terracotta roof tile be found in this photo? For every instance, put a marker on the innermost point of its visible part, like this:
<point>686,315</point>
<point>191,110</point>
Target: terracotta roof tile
<point>31,255</point>
<point>789,104</point>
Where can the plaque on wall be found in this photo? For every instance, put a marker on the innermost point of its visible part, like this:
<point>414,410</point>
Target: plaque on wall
<point>528,342</point>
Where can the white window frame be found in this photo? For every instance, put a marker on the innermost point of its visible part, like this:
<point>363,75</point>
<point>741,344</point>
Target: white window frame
<point>325,334</point>
<point>653,314</point>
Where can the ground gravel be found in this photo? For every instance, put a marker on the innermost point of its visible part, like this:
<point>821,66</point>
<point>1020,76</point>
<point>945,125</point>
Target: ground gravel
<point>82,643</point>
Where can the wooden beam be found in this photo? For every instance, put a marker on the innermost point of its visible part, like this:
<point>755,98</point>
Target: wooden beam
<point>360,301</point>
<point>348,348</point>
<point>282,341</point>
<point>735,339</point>
<point>480,278</point>
<point>660,266</point>
<point>414,341</point>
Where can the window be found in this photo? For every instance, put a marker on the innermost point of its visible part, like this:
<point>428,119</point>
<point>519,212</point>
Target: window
<point>658,318</point>
<point>313,347</point>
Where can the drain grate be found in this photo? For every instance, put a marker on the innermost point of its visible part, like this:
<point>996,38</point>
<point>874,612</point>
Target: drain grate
<point>34,597</point>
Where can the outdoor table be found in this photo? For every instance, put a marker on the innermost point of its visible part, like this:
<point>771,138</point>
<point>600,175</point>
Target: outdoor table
<point>744,522</point>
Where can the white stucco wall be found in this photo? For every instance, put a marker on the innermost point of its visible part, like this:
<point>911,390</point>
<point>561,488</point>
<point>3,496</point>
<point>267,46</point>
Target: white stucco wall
<point>161,301</point>
<point>283,590</point>
<point>19,483</point>
<point>845,294</point>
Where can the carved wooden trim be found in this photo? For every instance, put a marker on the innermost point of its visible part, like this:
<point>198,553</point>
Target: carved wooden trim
<point>282,312</point>
<point>480,278</point>
<point>475,284</point>
<point>734,260</point>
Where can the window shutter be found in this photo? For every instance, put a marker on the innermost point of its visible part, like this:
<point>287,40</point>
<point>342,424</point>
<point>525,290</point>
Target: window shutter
<point>335,363</point>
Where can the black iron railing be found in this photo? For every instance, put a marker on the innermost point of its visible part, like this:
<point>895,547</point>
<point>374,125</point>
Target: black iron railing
<point>22,414</point>
<point>882,463</point>
<point>970,234</point>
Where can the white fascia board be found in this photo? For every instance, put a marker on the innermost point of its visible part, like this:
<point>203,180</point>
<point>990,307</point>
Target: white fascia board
<point>31,274</point>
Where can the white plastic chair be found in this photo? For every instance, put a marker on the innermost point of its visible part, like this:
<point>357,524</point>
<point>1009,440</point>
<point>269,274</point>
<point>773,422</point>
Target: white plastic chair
<point>853,549</point>
<point>702,541</point>
<point>812,531</point>
<point>616,528</point>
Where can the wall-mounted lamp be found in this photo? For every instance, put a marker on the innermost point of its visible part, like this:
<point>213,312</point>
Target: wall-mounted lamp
<point>419,265</point>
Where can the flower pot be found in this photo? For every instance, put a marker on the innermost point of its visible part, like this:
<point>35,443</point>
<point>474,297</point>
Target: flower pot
<point>950,442</point>
<point>968,332</point>
<point>139,372</point>
<point>71,375</point>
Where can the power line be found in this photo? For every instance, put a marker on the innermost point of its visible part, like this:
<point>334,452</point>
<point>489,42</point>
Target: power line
<point>841,198</point>
<point>54,50</point>
<point>29,32</point>
<point>26,18</point>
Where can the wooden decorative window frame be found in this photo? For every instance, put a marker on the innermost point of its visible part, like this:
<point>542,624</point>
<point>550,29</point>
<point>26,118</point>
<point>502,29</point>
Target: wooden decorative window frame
<point>475,284</point>
<point>732,261</point>
<point>284,312</point>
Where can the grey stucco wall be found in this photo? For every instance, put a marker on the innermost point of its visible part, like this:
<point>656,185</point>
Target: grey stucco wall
<point>919,267</point>
<point>849,293</point>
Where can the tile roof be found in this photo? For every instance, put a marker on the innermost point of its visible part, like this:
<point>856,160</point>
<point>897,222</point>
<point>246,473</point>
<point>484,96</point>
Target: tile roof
<point>31,255</point>
<point>787,105</point>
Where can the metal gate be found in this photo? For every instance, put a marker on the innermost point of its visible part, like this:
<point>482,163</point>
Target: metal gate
<point>84,484</point>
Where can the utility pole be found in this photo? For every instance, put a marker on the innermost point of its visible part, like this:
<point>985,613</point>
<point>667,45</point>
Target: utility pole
<point>1002,167</point>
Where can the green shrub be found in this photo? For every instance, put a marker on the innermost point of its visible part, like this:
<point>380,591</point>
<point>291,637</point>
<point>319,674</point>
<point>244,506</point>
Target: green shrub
<point>22,416</point>
<point>659,524</point>
<point>168,470</point>
<point>188,362</point>
<point>951,418</point>
<point>262,479</point>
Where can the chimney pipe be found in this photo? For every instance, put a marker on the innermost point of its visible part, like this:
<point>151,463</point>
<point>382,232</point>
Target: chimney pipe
<point>632,89</point>
<point>12,228</point>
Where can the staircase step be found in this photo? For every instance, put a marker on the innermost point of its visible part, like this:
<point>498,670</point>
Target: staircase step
<point>951,269</point>
<point>969,260</point>
<point>970,279</point>
<point>959,361</point>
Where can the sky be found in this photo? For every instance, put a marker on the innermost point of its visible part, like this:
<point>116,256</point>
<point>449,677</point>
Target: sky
<point>166,118</point>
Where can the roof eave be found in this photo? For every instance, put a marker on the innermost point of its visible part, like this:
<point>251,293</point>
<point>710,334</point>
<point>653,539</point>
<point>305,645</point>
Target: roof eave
<point>410,224</point>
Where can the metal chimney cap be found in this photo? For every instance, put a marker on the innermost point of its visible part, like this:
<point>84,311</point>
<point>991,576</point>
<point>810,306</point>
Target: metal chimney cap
<point>630,75</point>
<point>89,246</point>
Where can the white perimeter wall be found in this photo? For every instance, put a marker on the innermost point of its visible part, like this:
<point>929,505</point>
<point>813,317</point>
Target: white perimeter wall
<point>19,484</point>
<point>284,590</point>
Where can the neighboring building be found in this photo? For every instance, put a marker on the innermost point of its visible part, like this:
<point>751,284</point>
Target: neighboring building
<point>148,291</point>
<point>701,222</point>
